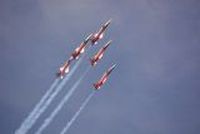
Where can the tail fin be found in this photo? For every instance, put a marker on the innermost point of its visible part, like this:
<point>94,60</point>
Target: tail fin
<point>92,62</point>
<point>58,74</point>
<point>96,86</point>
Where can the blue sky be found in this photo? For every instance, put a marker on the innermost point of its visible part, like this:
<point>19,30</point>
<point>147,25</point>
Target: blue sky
<point>154,89</point>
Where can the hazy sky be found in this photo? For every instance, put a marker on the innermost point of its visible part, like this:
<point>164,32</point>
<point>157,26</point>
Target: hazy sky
<point>155,88</point>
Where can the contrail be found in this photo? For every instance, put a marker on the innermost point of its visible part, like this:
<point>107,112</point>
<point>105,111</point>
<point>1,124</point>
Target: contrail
<point>36,108</point>
<point>53,95</point>
<point>66,128</point>
<point>49,100</point>
<point>61,104</point>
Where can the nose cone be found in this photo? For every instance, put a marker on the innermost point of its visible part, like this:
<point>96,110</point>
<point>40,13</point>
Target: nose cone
<point>108,22</point>
<point>111,68</point>
<point>107,44</point>
<point>88,38</point>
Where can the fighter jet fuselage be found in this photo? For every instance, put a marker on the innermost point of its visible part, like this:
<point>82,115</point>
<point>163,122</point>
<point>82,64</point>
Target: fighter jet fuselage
<point>64,69</point>
<point>81,49</point>
<point>104,78</point>
<point>78,51</point>
<point>99,54</point>
<point>99,35</point>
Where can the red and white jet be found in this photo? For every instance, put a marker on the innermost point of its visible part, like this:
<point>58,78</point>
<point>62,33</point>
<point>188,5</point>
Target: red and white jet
<point>99,35</point>
<point>64,69</point>
<point>79,50</point>
<point>99,54</point>
<point>104,78</point>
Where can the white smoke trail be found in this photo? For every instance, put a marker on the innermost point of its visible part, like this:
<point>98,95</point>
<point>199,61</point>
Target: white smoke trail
<point>42,109</point>
<point>66,128</point>
<point>53,95</point>
<point>36,108</point>
<point>61,104</point>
